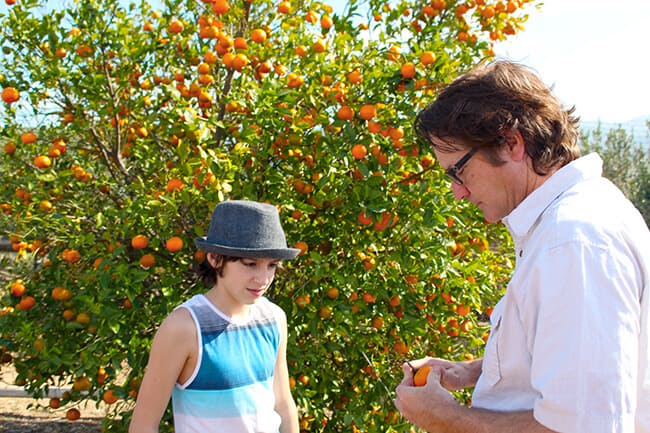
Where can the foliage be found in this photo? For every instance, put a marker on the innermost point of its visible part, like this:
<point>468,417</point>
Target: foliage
<point>625,163</point>
<point>144,119</point>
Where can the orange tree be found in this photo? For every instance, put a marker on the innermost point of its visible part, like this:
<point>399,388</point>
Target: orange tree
<point>123,125</point>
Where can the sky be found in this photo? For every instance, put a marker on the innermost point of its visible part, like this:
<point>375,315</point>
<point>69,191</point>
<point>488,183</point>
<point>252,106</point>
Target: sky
<point>593,53</point>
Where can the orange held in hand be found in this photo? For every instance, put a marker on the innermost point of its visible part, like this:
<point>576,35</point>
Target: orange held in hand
<point>420,376</point>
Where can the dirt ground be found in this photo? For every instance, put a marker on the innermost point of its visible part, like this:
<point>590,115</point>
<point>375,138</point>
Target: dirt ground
<point>22,414</point>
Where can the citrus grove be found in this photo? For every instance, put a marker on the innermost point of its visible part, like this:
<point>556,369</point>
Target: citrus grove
<point>122,125</point>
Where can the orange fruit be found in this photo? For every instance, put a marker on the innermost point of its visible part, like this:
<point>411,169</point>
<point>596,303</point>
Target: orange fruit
<point>28,138</point>
<point>408,70</point>
<point>302,246</point>
<point>55,402</point>
<point>42,161</point>
<point>359,151</point>
<point>71,256</point>
<point>61,294</point>
<point>81,383</point>
<point>174,185</point>
<point>73,414</point>
<point>68,315</point>
<point>420,376</point>
<point>240,43</point>
<point>320,46</point>
<point>345,113</point>
<point>109,397</point>
<point>10,95</point>
<point>147,260</point>
<point>427,58</point>
<point>355,77</point>
<point>239,61</point>
<point>364,218</point>
<point>26,303</point>
<point>284,7</point>
<point>258,36</point>
<point>83,318</point>
<point>18,289</point>
<point>139,241</point>
<point>332,293</point>
<point>174,244</point>
<point>45,205</point>
<point>203,68</point>
<point>220,7</point>
<point>176,26</point>
<point>10,148</point>
<point>367,111</point>
<point>326,22</point>
<point>302,301</point>
<point>488,12</point>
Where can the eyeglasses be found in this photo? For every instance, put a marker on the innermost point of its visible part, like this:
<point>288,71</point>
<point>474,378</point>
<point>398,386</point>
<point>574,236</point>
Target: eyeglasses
<point>453,170</point>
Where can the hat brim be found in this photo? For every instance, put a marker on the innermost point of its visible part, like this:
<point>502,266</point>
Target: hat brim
<point>264,253</point>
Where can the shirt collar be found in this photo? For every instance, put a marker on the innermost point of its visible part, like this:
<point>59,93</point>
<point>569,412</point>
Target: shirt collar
<point>520,221</point>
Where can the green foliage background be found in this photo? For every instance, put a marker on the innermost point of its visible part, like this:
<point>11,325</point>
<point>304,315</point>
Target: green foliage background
<point>133,115</point>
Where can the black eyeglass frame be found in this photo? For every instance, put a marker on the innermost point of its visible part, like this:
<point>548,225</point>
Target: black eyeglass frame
<point>453,170</point>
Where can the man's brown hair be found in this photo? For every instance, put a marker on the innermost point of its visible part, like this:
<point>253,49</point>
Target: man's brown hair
<point>483,107</point>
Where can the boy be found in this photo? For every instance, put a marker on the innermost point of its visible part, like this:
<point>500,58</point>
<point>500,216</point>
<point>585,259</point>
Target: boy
<point>221,356</point>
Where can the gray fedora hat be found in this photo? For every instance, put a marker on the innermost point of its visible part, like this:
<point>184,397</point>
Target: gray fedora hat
<point>242,228</point>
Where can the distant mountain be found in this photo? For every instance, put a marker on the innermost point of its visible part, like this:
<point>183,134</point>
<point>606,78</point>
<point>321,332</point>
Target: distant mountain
<point>637,127</point>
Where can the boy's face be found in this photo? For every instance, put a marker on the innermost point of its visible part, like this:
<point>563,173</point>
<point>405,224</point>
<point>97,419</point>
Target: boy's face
<point>246,280</point>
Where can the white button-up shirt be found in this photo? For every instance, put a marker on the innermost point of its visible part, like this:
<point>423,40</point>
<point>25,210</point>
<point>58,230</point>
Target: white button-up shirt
<point>569,338</point>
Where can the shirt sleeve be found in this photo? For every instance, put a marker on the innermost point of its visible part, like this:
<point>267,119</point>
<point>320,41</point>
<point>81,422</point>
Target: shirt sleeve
<point>581,312</point>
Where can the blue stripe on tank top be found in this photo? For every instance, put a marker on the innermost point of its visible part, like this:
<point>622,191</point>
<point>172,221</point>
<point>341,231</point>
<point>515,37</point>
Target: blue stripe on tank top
<point>224,404</point>
<point>251,356</point>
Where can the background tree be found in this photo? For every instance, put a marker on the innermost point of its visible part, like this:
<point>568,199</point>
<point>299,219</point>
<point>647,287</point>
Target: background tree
<point>123,125</point>
<point>625,162</point>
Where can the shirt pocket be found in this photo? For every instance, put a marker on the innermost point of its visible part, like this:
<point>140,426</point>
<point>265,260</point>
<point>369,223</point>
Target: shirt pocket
<point>491,368</point>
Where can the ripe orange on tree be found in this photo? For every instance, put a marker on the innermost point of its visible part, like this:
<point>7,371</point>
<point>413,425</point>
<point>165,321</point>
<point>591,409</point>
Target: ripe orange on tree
<point>345,113</point>
<point>220,7</point>
<point>42,161</point>
<point>364,218</point>
<point>109,397</point>
<point>71,255</point>
<point>139,241</point>
<point>10,148</point>
<point>420,376</point>
<point>28,138</point>
<point>302,246</point>
<point>176,26</point>
<point>26,303</point>
<point>258,36</point>
<point>408,70</point>
<point>367,111</point>
<point>427,58</point>
<point>174,244</point>
<point>284,7</point>
<point>18,289</point>
<point>147,260</point>
<point>174,185</point>
<point>359,151</point>
<point>326,22</point>
<point>10,95</point>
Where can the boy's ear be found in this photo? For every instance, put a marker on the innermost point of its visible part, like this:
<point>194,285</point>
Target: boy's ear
<point>212,259</point>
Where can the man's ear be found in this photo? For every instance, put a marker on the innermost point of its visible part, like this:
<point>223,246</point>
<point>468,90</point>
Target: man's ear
<point>515,144</point>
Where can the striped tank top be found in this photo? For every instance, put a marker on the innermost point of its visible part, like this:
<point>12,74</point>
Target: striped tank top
<point>231,388</point>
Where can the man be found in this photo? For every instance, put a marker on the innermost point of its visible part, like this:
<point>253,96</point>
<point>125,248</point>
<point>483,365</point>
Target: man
<point>568,350</point>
